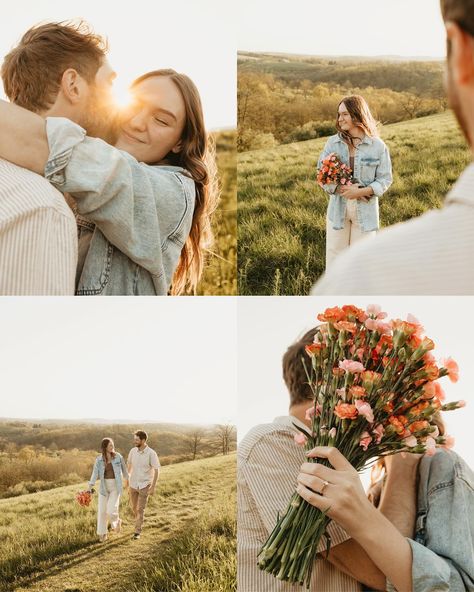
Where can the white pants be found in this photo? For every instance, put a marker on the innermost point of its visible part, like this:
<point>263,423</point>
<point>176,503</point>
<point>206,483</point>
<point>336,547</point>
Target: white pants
<point>108,507</point>
<point>338,240</point>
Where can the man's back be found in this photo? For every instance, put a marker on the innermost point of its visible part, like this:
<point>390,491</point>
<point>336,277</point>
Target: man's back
<point>432,254</point>
<point>268,464</point>
<point>38,235</point>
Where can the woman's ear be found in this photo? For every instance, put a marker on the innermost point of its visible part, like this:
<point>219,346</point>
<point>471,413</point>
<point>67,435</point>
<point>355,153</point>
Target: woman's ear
<point>177,148</point>
<point>72,85</point>
<point>461,54</point>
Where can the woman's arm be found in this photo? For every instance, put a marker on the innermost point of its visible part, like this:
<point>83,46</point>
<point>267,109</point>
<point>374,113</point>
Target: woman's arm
<point>345,501</point>
<point>383,175</point>
<point>136,206</point>
<point>23,139</point>
<point>95,474</point>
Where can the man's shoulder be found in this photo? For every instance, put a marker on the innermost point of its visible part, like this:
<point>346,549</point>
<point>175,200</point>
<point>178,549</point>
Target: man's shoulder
<point>23,191</point>
<point>263,435</point>
<point>405,253</point>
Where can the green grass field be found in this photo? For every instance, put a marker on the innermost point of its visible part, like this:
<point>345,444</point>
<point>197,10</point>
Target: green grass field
<point>220,275</point>
<point>281,219</point>
<point>187,545</point>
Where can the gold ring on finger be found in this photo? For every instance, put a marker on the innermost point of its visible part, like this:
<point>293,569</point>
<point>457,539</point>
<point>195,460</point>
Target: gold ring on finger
<point>325,484</point>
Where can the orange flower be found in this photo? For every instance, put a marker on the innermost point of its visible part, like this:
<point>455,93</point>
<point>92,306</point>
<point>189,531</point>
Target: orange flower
<point>352,313</point>
<point>418,409</point>
<point>399,422</point>
<point>452,368</point>
<point>432,371</point>
<point>388,407</point>
<point>338,372</point>
<point>357,392</point>
<point>418,426</point>
<point>346,411</point>
<point>313,349</point>
<point>346,326</point>
<point>404,327</point>
<point>331,315</point>
<point>385,340</point>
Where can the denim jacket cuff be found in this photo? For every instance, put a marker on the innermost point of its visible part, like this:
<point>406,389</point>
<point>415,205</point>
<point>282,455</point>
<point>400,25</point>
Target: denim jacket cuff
<point>377,188</point>
<point>63,136</point>
<point>429,571</point>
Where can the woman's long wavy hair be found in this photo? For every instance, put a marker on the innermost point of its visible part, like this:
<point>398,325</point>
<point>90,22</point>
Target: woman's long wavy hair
<point>359,111</point>
<point>197,156</point>
<point>377,475</point>
<point>103,447</point>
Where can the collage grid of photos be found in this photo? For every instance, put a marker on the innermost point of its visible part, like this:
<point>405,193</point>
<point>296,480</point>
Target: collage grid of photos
<point>303,175</point>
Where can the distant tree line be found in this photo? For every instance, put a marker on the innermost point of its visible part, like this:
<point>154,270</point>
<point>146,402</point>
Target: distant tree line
<point>282,101</point>
<point>35,457</point>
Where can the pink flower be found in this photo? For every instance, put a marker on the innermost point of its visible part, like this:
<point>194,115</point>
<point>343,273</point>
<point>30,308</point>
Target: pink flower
<point>383,328</point>
<point>332,433</point>
<point>364,409</point>
<point>310,412</point>
<point>410,441</point>
<point>378,432</point>
<point>414,321</point>
<point>343,181</point>
<point>452,368</point>
<point>430,446</point>
<point>365,440</point>
<point>300,439</point>
<point>351,366</point>
<point>371,324</point>
<point>448,442</point>
<point>461,404</point>
<point>341,392</point>
<point>376,311</point>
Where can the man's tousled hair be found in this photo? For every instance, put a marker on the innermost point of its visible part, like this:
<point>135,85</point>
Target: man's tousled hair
<point>32,71</point>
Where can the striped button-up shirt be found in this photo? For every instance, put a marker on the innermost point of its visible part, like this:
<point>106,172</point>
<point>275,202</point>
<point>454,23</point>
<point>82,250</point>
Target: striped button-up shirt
<point>429,255</point>
<point>268,464</point>
<point>38,236</point>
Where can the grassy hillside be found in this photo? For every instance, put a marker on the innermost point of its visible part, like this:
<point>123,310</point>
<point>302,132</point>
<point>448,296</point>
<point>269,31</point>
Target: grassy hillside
<point>187,545</point>
<point>220,276</point>
<point>281,222</point>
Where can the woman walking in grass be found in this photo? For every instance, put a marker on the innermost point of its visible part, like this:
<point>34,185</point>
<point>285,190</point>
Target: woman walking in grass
<point>353,211</point>
<point>111,469</point>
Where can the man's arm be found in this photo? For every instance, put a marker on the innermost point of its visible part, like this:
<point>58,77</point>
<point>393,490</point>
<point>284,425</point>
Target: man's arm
<point>23,138</point>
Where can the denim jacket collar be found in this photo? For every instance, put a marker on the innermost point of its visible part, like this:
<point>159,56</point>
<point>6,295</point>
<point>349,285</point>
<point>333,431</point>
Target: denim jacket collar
<point>365,140</point>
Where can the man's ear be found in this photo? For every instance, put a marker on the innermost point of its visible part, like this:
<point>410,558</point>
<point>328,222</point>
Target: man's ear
<point>178,147</point>
<point>461,60</point>
<point>72,85</point>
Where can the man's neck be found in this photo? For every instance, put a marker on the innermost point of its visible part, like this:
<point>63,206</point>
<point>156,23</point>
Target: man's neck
<point>299,411</point>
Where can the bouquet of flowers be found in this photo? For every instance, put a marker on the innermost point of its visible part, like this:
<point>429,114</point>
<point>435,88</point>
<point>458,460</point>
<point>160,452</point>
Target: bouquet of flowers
<point>84,498</point>
<point>375,393</point>
<point>334,171</point>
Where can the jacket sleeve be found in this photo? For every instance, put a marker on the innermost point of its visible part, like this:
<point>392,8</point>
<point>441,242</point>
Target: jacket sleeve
<point>444,560</point>
<point>328,148</point>
<point>95,474</point>
<point>383,177</point>
<point>137,207</point>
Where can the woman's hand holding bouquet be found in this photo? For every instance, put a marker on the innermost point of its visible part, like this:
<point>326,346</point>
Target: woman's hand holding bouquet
<point>375,393</point>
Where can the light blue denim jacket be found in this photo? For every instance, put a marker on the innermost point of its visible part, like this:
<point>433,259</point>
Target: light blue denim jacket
<point>133,219</point>
<point>443,546</point>
<point>372,167</point>
<point>98,472</point>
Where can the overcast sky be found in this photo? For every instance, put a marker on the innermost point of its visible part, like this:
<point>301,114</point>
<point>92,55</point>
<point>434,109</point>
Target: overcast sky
<point>267,326</point>
<point>362,28</point>
<point>154,359</point>
<point>194,37</point>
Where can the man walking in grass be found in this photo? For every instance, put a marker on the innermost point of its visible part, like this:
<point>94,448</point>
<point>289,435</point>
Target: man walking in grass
<point>144,469</point>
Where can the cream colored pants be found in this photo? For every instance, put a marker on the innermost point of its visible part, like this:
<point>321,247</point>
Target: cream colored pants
<point>108,507</point>
<point>338,240</point>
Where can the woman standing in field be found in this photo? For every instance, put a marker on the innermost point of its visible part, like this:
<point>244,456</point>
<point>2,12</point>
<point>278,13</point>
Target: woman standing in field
<point>111,469</point>
<point>353,211</point>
